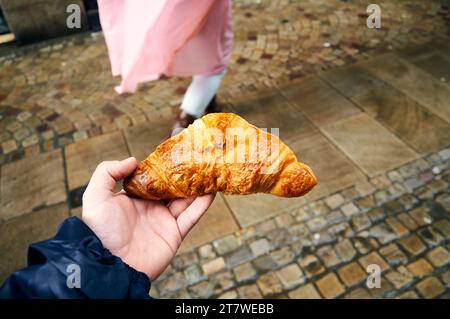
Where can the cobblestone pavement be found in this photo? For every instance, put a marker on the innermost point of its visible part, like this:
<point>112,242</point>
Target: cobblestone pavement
<point>53,95</point>
<point>366,109</point>
<point>398,221</point>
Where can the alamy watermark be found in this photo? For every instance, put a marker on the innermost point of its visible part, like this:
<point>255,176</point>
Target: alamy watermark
<point>73,20</point>
<point>74,276</point>
<point>374,278</point>
<point>374,18</point>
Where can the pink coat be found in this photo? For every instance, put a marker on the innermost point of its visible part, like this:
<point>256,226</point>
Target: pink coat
<point>148,38</point>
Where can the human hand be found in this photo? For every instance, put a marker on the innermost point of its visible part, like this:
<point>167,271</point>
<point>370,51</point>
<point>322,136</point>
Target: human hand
<point>144,234</point>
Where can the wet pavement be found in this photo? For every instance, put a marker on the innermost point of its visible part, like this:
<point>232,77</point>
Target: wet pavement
<point>398,221</point>
<point>367,109</point>
<point>59,93</point>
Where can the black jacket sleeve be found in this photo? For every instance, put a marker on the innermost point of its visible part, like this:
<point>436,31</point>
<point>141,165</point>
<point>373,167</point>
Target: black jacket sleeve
<point>74,264</point>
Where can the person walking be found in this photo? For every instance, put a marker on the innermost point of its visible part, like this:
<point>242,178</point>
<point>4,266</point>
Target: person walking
<point>150,39</point>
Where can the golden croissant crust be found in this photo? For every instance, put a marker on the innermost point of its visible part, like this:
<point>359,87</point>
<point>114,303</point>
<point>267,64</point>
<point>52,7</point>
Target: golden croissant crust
<point>220,152</point>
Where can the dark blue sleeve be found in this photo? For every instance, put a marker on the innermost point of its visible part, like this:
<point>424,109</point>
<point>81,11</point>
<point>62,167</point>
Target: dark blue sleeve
<point>74,264</point>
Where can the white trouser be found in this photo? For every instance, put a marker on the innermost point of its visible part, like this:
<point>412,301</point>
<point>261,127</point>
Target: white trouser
<point>200,92</point>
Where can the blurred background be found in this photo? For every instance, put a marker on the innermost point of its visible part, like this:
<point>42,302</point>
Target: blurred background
<point>367,108</point>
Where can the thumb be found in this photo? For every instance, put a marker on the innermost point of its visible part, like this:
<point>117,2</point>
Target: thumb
<point>106,175</point>
<point>118,170</point>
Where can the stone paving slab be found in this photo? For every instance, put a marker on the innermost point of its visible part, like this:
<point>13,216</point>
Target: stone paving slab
<point>83,157</point>
<point>142,139</point>
<point>371,146</point>
<point>352,80</point>
<point>333,169</point>
<point>435,62</point>
<point>218,222</point>
<point>419,128</point>
<point>31,182</point>
<point>318,101</point>
<point>441,43</point>
<point>252,209</point>
<point>271,110</point>
<point>414,82</point>
<point>17,234</point>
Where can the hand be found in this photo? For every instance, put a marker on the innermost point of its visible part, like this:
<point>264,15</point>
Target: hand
<point>144,234</point>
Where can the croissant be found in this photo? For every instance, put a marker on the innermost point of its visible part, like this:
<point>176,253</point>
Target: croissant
<point>220,152</point>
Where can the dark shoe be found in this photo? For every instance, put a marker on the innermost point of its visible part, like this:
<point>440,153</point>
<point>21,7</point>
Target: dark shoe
<point>213,106</point>
<point>182,121</point>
